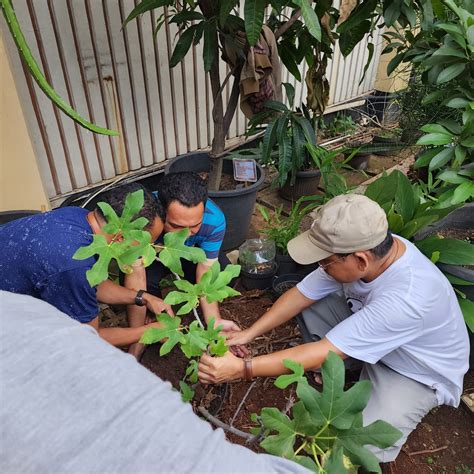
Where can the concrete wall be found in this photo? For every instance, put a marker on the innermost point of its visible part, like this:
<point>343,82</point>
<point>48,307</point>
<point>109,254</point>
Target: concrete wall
<point>20,181</point>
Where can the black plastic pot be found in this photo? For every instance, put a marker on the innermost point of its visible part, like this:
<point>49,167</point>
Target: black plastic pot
<point>360,161</point>
<point>306,184</point>
<point>258,281</point>
<point>462,218</point>
<point>283,283</point>
<point>8,216</point>
<point>285,264</point>
<point>237,205</point>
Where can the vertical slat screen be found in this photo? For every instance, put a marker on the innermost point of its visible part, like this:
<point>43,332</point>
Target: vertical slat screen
<point>120,78</point>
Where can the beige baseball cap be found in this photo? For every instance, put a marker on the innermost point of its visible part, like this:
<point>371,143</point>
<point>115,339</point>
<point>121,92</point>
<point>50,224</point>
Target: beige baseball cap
<point>345,224</point>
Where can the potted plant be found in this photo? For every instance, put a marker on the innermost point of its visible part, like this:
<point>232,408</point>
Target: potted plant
<point>281,229</point>
<point>389,136</point>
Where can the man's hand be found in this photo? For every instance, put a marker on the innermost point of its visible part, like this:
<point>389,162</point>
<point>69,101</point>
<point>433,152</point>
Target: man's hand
<point>237,338</point>
<point>228,326</point>
<point>157,305</point>
<point>220,369</point>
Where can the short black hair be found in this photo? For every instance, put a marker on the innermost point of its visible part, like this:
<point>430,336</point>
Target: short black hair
<point>151,209</point>
<point>188,188</point>
<point>384,247</point>
<point>378,251</point>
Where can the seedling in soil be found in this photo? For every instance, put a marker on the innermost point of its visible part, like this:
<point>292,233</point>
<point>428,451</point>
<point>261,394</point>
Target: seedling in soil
<point>325,432</point>
<point>129,242</point>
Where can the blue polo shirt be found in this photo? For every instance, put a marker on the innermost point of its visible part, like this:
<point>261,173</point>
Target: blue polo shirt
<point>36,260</point>
<point>212,230</point>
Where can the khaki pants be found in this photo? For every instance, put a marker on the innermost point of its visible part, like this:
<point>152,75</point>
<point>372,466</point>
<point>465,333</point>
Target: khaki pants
<point>397,399</point>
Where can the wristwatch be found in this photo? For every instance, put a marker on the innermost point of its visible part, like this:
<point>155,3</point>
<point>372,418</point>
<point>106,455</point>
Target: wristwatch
<point>248,373</point>
<point>139,301</point>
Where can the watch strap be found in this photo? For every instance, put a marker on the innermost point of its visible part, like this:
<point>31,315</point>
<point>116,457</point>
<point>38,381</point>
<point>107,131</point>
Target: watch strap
<point>139,298</point>
<point>248,374</point>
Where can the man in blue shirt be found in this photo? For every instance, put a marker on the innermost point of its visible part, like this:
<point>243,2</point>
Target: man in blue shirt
<point>185,199</point>
<point>36,259</point>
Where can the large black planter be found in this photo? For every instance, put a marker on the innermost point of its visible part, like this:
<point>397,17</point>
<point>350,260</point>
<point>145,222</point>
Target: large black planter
<point>306,184</point>
<point>237,204</point>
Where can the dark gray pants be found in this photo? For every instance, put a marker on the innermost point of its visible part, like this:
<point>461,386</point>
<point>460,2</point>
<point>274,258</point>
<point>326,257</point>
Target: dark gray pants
<point>397,399</point>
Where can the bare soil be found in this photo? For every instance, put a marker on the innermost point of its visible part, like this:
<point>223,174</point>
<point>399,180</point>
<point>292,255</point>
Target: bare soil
<point>442,443</point>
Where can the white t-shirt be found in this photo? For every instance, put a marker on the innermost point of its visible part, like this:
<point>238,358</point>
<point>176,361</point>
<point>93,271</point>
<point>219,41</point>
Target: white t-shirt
<point>408,318</point>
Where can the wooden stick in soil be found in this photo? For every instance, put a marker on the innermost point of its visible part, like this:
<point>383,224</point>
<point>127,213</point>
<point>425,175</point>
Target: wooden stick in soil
<point>428,451</point>
<point>220,424</point>
<point>242,402</point>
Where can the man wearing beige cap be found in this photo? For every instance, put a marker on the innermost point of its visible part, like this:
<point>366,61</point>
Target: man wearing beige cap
<point>376,298</point>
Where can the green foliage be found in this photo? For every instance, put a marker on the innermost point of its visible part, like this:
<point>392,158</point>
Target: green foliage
<point>193,340</point>
<point>212,286</point>
<point>38,76</point>
<point>324,432</point>
<point>280,228</point>
<point>128,240</point>
<point>341,124</point>
<point>443,53</point>
<point>174,249</point>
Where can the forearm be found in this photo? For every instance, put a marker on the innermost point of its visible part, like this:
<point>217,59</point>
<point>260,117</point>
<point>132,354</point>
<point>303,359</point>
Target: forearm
<point>285,308</point>
<point>310,356</point>
<point>136,281</point>
<point>122,336</point>
<point>110,293</point>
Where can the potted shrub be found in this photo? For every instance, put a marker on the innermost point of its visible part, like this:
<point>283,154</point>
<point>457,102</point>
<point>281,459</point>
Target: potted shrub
<point>281,229</point>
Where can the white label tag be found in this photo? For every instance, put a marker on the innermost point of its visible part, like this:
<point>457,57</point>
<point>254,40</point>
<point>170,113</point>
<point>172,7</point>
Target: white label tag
<point>245,170</point>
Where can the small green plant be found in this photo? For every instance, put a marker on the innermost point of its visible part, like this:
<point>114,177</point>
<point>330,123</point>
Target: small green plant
<point>281,228</point>
<point>324,432</point>
<point>129,242</point>
<point>342,124</point>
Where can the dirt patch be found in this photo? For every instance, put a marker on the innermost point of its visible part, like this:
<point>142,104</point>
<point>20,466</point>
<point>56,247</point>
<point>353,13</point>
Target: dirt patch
<point>447,428</point>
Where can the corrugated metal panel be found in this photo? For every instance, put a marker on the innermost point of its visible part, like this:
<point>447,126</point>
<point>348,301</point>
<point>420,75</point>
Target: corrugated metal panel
<point>121,79</point>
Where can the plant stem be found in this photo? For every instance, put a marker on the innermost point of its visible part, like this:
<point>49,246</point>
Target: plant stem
<point>301,447</point>
<point>315,455</point>
<point>196,315</point>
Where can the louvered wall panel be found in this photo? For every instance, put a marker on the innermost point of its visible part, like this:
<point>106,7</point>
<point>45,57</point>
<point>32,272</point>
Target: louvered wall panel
<point>121,79</point>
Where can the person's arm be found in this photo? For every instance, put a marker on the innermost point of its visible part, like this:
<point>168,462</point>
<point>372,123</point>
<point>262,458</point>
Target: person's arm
<point>110,293</point>
<point>229,367</point>
<point>121,336</point>
<point>136,281</point>
<point>285,308</point>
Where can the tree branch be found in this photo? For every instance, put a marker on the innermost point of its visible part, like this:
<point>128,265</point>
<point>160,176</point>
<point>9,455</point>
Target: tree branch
<point>233,101</point>
<point>220,424</point>
<point>286,26</point>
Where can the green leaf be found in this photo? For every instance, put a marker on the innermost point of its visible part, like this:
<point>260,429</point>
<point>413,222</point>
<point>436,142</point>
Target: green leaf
<point>435,128</point>
<point>310,18</point>
<point>393,64</point>
<point>433,97</point>
<point>175,249</point>
<point>370,48</point>
<point>450,73</point>
<point>290,92</point>
<point>192,373</point>
<point>463,192</point>
<point>286,52</point>
<point>348,39</point>
<point>425,158</point>
<point>226,8</point>
<point>213,284</point>
<point>457,103</point>
<point>298,373</point>
<point>452,251</point>
<point>282,443</point>
<point>379,433</point>
<point>405,197</point>
<point>335,462</point>
<point>443,157</point>
<point>143,7</point>
<point>468,142</point>
<point>458,281</point>
<point>182,46</point>
<point>187,393</point>
<point>218,348</point>
<point>210,44</point>
<point>418,223</point>
<point>435,139</point>
<point>452,177</point>
<point>360,456</point>
<point>254,11</point>
<point>467,308</point>
<point>276,105</point>
<point>194,342</point>
<point>169,331</point>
